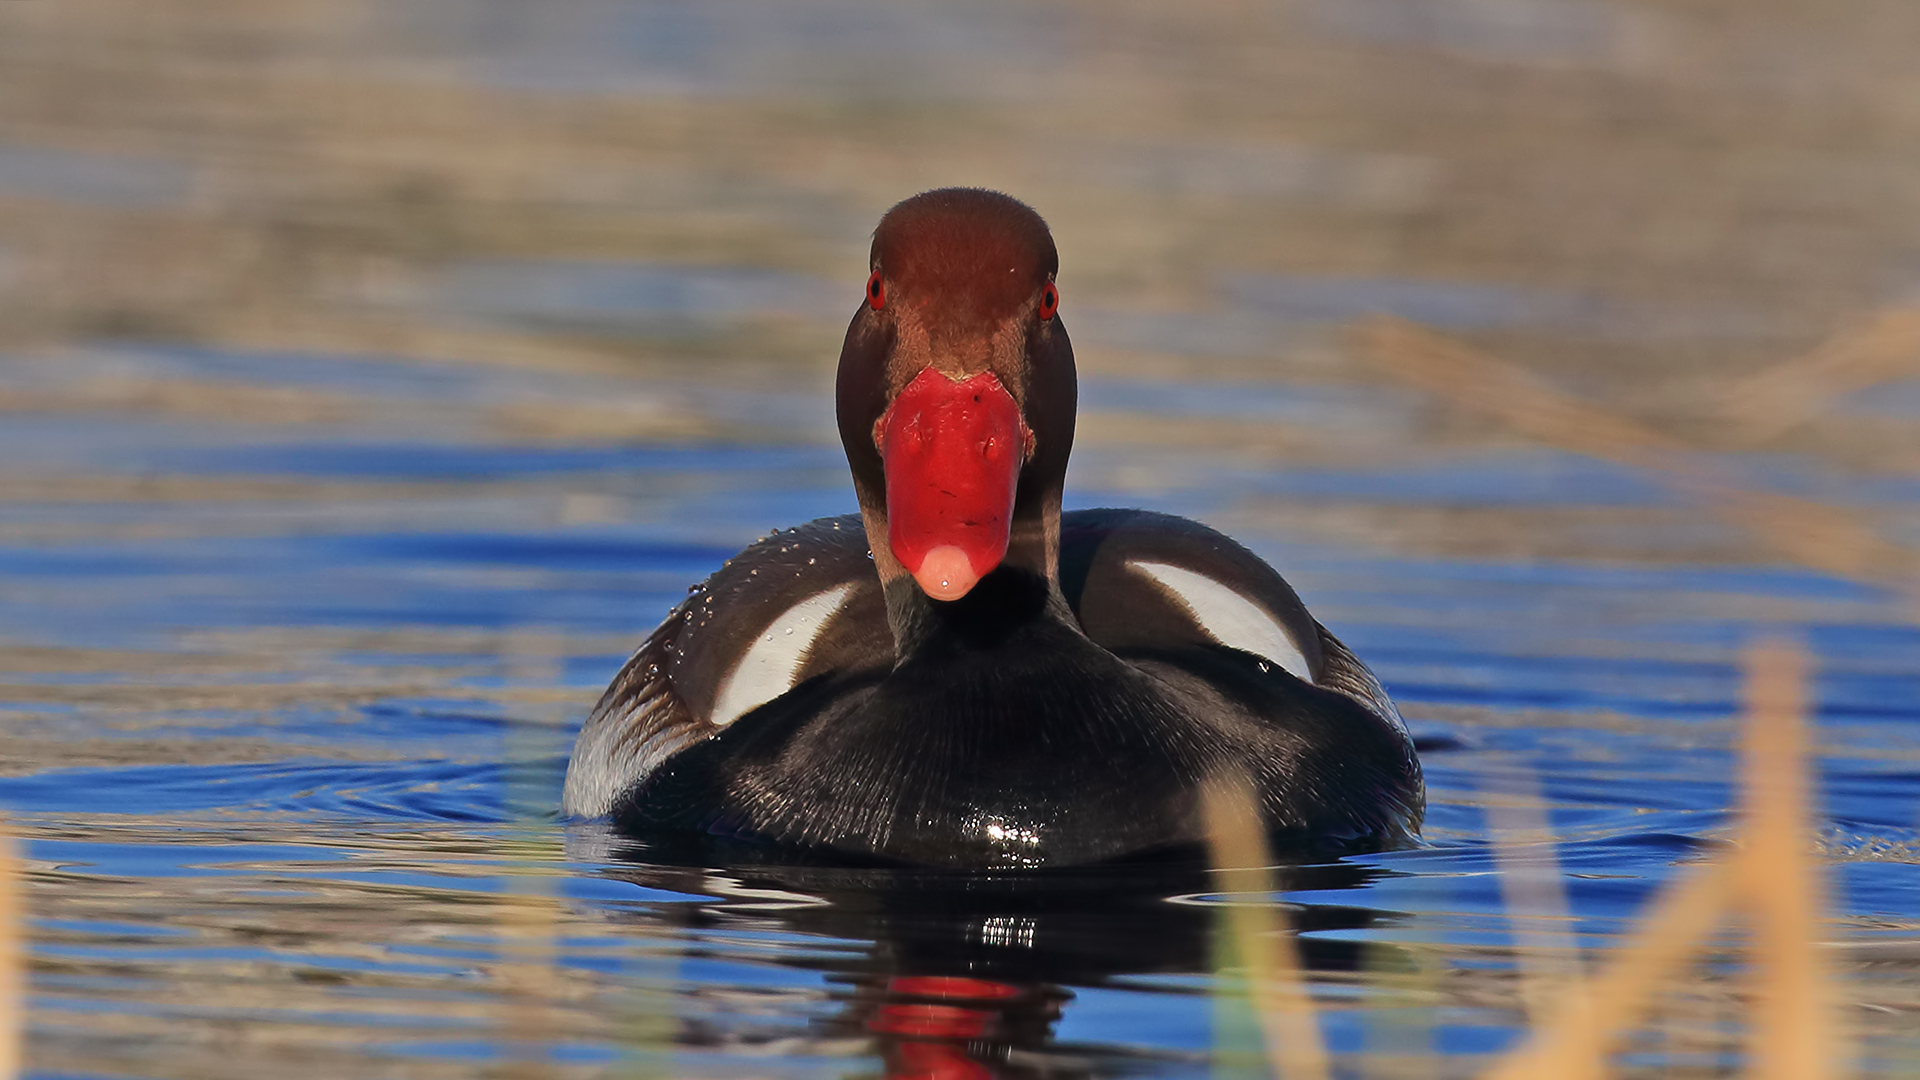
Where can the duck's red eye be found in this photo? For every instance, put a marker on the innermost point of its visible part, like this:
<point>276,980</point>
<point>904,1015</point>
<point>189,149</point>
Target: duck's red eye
<point>1049,301</point>
<point>876,292</point>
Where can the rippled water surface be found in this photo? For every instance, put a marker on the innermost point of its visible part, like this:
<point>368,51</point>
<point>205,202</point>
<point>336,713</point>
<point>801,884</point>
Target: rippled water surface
<point>348,445</point>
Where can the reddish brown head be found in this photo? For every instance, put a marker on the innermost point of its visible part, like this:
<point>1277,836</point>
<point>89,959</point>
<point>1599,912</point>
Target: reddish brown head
<point>956,391</point>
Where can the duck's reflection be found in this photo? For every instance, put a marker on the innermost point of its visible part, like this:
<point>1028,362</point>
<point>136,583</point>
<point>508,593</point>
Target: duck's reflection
<point>949,1027</point>
<point>966,973</point>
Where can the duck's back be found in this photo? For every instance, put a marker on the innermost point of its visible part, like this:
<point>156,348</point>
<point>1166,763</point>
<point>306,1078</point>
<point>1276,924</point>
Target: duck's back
<point>771,706</point>
<point>789,608</point>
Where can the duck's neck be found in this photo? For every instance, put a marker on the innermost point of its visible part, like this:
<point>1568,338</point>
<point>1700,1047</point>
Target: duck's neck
<point>1003,607</point>
<point>1023,590</point>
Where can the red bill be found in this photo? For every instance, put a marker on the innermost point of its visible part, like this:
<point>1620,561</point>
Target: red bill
<point>952,451</point>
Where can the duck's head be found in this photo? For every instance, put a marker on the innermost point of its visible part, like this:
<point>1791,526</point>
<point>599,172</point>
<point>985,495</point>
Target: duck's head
<point>956,392</point>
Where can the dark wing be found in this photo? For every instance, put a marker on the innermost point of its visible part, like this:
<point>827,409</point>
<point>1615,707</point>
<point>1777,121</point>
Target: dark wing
<point>1346,673</point>
<point>793,606</point>
<point>1139,580</point>
<point>638,723</point>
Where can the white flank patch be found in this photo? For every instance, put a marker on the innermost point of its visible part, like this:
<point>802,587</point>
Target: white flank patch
<point>772,663</point>
<point>1227,617</point>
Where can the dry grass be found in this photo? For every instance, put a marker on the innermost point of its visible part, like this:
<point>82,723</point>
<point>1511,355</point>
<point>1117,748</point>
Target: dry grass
<point>1773,401</point>
<point>1772,879</point>
<point>321,189</point>
<point>1809,532</point>
<point>1577,1039</point>
<point>1530,886</point>
<point>1794,1036</point>
<point>1263,942</point>
<point>12,961</point>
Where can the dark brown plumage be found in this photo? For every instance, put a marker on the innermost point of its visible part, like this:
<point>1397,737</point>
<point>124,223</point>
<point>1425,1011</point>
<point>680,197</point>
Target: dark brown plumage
<point>1064,704</point>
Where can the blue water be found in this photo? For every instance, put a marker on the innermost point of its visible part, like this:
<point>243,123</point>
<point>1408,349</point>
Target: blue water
<point>294,642</point>
<point>287,763</point>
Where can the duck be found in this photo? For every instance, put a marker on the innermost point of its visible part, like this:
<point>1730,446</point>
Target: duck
<point>962,674</point>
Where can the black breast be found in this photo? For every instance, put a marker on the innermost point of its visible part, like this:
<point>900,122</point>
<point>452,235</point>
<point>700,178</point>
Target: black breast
<point>1008,738</point>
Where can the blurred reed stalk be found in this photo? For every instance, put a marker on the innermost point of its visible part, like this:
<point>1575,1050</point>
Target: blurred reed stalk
<point>1776,400</point>
<point>1264,942</point>
<point>1404,982</point>
<point>1773,877</point>
<point>1813,534</point>
<point>12,980</point>
<point>528,971</point>
<point>1531,886</point>
<point>1793,1026</point>
<point>1575,1042</point>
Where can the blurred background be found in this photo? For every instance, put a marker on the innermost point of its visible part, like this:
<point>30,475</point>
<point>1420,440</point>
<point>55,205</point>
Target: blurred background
<point>373,376</point>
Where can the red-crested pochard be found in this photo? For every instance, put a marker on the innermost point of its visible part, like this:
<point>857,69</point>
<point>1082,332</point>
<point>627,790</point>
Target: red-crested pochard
<point>961,674</point>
